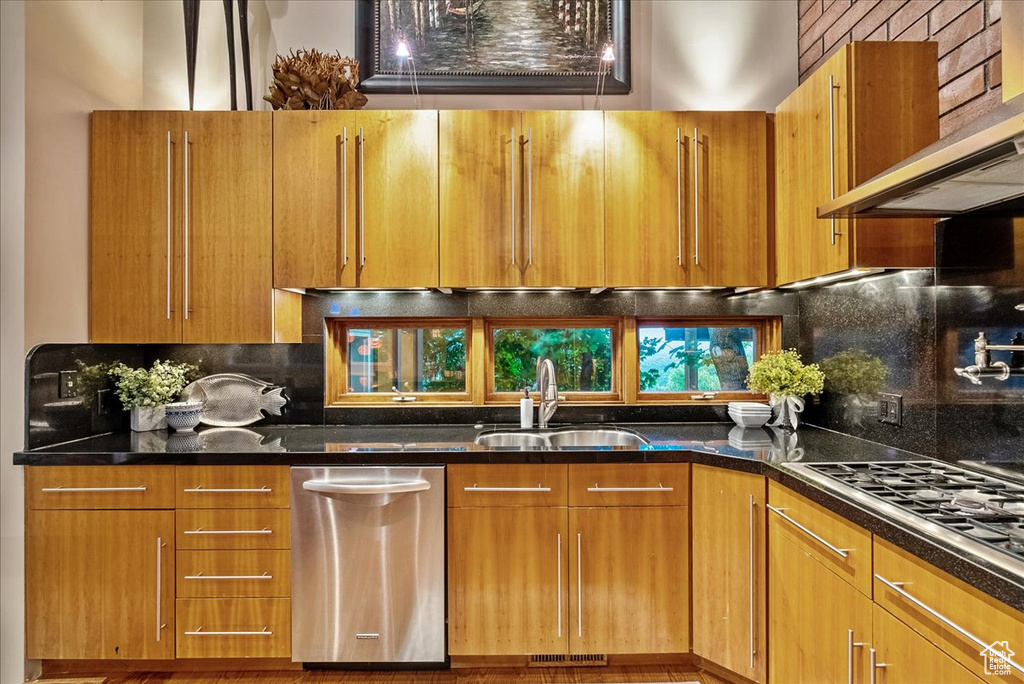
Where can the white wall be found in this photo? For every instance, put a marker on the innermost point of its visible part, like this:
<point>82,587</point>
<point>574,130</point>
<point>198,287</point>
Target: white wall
<point>12,339</point>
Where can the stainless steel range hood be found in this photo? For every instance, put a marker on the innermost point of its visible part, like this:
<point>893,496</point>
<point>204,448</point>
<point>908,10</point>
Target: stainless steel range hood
<point>980,168</point>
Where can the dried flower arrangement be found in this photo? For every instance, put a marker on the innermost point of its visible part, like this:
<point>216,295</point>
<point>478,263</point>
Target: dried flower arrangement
<point>310,79</point>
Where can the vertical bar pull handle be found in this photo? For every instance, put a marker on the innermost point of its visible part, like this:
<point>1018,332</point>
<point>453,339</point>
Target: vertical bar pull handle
<point>832,88</point>
<point>751,532</point>
<point>168,225</point>
<point>850,644</point>
<point>187,179</point>
<point>679,196</point>
<point>696,196</point>
<point>579,585</point>
<point>159,586</point>
<point>362,206</point>
<point>529,194</point>
<point>875,665</point>
<point>512,191</point>
<point>344,196</point>
<point>559,596</point>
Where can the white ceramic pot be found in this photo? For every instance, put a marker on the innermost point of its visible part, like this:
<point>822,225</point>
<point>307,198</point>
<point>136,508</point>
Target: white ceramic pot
<point>147,418</point>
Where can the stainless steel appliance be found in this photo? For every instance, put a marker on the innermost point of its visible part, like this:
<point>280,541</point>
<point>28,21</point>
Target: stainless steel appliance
<point>368,575</point>
<point>972,511</point>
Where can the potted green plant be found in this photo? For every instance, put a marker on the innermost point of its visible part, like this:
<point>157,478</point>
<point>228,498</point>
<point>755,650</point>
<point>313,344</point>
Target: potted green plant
<point>786,379</point>
<point>146,392</point>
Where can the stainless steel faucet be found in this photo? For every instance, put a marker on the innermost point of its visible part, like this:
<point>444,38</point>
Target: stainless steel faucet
<point>547,385</point>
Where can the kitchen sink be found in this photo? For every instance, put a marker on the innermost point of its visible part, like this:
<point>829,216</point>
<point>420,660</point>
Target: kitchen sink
<point>563,438</point>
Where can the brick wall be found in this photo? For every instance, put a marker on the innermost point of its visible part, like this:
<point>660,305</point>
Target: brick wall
<point>967,31</point>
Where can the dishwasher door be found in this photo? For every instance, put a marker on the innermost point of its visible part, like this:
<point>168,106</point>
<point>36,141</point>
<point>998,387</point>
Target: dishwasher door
<point>368,576</point>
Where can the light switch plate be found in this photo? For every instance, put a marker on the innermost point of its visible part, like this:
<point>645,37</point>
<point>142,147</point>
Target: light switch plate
<point>890,409</point>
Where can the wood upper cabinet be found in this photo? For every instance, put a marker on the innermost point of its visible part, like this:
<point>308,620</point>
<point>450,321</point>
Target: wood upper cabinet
<point>682,214</point>
<point>119,605</point>
<point>181,227</point>
<point>868,107</point>
<point>729,611</point>
<point>904,657</point>
<point>522,199</point>
<point>628,592</point>
<point>819,626</point>
<point>355,199</point>
<point>507,581</point>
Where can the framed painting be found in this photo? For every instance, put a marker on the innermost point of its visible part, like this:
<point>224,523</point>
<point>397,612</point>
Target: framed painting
<point>493,46</point>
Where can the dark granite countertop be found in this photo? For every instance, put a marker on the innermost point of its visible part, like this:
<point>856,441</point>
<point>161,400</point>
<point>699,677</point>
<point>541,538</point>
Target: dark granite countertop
<point>758,451</point>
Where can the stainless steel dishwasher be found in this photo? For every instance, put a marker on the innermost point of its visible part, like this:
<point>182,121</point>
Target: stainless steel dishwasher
<point>368,577</point>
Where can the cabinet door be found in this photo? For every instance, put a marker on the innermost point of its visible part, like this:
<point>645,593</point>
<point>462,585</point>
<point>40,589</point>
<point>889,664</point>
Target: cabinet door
<point>729,569</point>
<point>564,198</point>
<point>904,657</point>
<point>647,171</point>
<point>727,217</point>
<point>135,215</point>
<point>99,584</point>
<point>629,590</point>
<point>397,199</point>
<point>818,625</point>
<point>807,163</point>
<point>314,199</point>
<point>507,581</point>
<point>228,228</point>
<point>480,209</point>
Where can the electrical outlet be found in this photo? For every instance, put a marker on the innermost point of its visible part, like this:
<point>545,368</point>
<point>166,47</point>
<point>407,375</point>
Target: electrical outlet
<point>890,409</point>
<point>104,397</point>
<point>68,384</point>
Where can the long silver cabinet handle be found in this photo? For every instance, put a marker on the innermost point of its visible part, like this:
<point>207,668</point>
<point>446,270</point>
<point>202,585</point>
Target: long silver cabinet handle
<point>159,586</point>
<point>169,182</point>
<point>201,576</point>
<point>579,585</point>
<point>898,588</point>
<point>187,212</point>
<point>559,595</point>
<point>751,532</point>
<point>140,488</point>
<point>538,488</point>
<point>679,196</point>
<point>843,553</point>
<point>366,487</point>
<point>850,644</point>
<point>200,632</point>
<point>696,196</point>
<point>344,195</point>
<point>362,206</point>
<point>875,665</point>
<point>832,88</point>
<point>659,488</point>
<point>512,189</point>
<point>202,531</point>
<point>236,490</point>
<point>529,195</point>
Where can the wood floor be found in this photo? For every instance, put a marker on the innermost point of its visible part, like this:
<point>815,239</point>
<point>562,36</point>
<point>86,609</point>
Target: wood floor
<point>604,675</point>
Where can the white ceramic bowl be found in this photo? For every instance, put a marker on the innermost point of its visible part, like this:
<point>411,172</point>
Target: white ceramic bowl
<point>745,421</point>
<point>751,407</point>
<point>184,416</point>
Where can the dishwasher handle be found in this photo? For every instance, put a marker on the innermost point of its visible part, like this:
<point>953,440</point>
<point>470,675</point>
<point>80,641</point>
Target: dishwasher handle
<point>329,487</point>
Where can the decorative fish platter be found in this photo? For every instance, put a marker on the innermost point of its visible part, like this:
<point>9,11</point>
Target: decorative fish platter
<point>233,399</point>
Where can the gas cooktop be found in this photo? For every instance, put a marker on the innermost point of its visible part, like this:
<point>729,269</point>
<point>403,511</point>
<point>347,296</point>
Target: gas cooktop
<point>972,511</point>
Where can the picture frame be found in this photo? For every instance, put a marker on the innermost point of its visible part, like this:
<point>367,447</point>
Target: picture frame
<point>376,77</point>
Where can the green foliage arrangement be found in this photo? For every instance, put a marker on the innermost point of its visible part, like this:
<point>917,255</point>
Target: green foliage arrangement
<point>854,371</point>
<point>161,384</point>
<point>783,372</point>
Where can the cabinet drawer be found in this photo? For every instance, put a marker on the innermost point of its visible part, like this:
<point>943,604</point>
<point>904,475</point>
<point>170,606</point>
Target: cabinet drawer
<point>921,588</point>
<point>840,545</point>
<point>234,628</point>
<point>232,528</point>
<point>252,573</point>
<point>507,485</point>
<point>629,484</point>
<point>99,487</point>
<point>231,487</point>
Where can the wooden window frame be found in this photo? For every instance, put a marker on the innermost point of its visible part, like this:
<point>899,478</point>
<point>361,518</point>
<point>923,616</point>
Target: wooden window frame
<point>768,331</point>
<point>337,393</point>
<point>618,327</point>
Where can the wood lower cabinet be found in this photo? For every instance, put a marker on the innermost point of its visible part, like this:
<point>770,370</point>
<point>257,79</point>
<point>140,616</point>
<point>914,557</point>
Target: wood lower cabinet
<point>902,656</point>
<point>729,556</point>
<point>234,628</point>
<point>628,592</point>
<point>180,228</point>
<point>355,199</point>
<point>819,625</point>
<point>99,584</point>
<point>868,107</point>
<point>687,198</point>
<point>507,581</point>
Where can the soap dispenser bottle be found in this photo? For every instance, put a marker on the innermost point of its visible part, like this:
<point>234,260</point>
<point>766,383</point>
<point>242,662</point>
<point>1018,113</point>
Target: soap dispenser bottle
<point>526,409</point>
